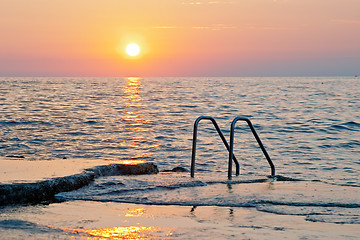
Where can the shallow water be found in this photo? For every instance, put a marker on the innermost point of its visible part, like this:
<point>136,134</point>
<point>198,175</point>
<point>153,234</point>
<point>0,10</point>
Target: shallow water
<point>111,220</point>
<point>309,126</point>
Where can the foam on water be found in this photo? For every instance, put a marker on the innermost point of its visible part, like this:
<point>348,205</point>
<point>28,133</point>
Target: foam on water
<point>316,200</point>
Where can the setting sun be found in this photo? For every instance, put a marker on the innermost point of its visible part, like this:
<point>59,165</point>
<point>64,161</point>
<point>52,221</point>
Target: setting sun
<point>132,49</point>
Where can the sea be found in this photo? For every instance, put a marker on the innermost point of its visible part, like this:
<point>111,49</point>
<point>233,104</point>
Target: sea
<point>309,126</point>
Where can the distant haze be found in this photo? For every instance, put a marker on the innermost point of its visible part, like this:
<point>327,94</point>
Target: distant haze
<point>180,37</point>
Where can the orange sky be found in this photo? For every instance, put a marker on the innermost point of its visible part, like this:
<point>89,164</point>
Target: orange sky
<point>180,37</point>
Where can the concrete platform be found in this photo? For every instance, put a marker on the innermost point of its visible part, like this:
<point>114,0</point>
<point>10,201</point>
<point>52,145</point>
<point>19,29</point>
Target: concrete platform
<point>31,182</point>
<point>19,170</point>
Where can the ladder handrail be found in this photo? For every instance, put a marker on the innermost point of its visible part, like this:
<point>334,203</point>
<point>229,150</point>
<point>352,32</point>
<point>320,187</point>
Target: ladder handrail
<point>257,139</point>
<point>196,123</point>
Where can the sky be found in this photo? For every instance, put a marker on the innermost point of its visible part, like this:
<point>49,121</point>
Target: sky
<point>194,38</point>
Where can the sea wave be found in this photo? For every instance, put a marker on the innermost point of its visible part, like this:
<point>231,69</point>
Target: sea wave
<point>13,123</point>
<point>347,126</point>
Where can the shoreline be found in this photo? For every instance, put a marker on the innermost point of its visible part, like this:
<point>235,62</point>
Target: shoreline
<point>93,219</point>
<point>88,219</point>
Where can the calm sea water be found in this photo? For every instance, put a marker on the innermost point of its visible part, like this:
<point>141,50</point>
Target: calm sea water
<point>309,126</point>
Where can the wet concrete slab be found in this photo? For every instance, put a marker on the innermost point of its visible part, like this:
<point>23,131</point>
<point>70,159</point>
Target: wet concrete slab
<point>19,170</point>
<point>31,182</point>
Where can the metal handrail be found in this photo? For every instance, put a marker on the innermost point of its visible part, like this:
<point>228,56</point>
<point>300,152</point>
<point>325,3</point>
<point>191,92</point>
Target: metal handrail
<point>257,139</point>
<point>222,138</point>
<point>230,147</point>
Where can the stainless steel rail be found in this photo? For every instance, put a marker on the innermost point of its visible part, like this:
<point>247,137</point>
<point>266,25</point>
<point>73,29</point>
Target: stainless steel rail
<point>257,139</point>
<point>230,147</point>
<point>222,138</point>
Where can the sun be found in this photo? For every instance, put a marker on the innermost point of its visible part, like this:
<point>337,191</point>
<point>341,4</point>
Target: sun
<point>132,49</point>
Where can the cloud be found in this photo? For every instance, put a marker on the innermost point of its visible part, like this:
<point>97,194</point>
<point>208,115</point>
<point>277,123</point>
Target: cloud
<point>213,27</point>
<point>269,28</point>
<point>167,27</point>
<point>346,21</point>
<point>207,2</point>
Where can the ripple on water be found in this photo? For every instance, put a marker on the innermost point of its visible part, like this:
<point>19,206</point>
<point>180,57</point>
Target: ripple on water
<point>297,119</point>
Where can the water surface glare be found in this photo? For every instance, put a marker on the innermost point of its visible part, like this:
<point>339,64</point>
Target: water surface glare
<point>310,126</point>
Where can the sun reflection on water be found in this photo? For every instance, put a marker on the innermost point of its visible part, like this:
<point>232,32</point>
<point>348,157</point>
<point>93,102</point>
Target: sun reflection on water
<point>132,90</point>
<point>132,228</point>
<point>137,212</point>
<point>132,232</point>
<point>137,127</point>
<point>127,232</point>
<point>130,161</point>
